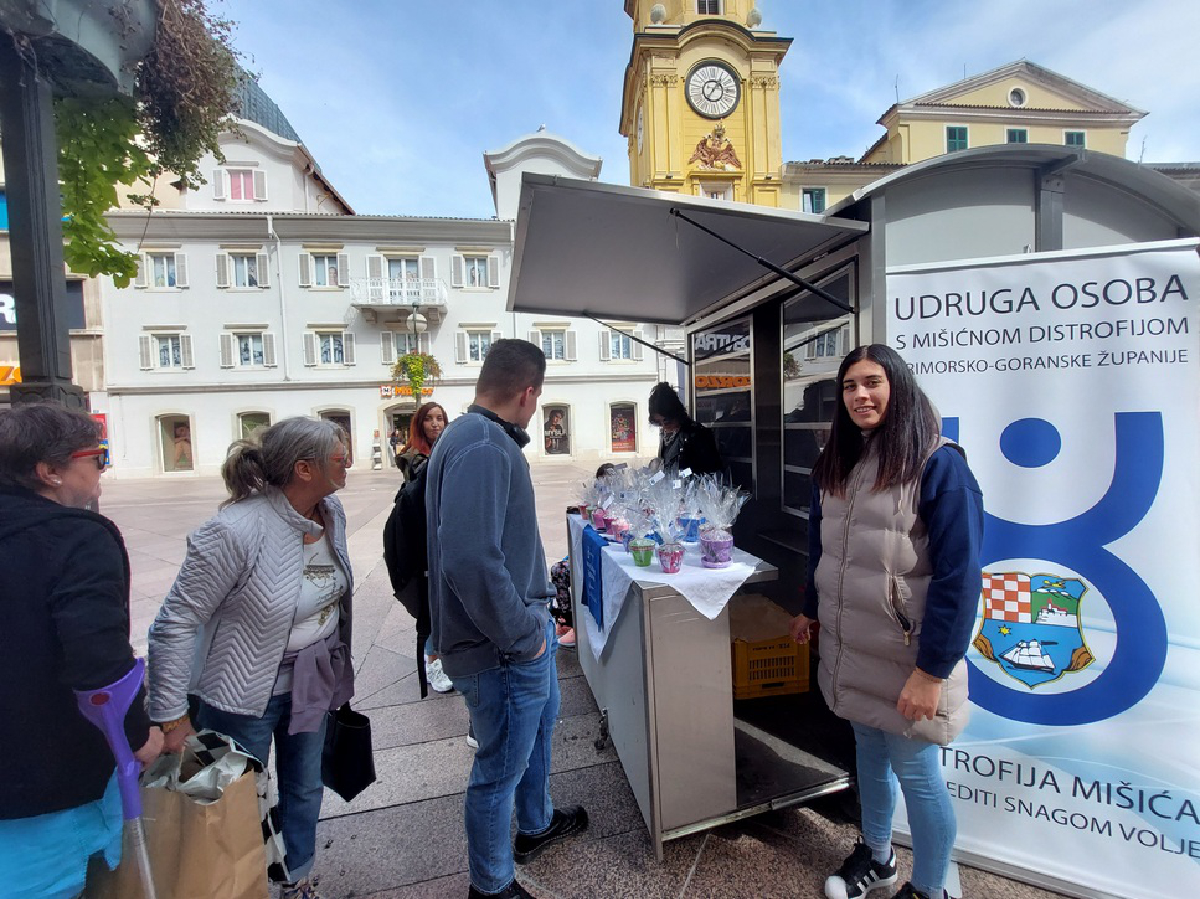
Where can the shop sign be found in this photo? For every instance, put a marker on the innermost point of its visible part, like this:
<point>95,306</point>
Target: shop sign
<point>716,382</point>
<point>8,306</point>
<point>9,374</point>
<point>391,391</point>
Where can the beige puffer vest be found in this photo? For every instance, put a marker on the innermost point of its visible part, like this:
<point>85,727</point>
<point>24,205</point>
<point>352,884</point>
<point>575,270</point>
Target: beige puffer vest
<point>871,580</point>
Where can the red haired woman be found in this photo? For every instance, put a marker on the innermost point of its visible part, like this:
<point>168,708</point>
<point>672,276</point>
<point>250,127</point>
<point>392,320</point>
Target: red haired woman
<point>424,430</point>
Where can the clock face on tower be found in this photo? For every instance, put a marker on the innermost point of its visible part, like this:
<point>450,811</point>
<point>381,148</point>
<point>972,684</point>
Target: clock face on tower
<point>713,90</point>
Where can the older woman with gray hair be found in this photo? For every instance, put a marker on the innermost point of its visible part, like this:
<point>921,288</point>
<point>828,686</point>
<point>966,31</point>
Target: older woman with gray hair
<point>64,600</point>
<point>257,624</point>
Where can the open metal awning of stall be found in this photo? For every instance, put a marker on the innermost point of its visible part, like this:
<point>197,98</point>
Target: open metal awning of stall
<point>621,253</point>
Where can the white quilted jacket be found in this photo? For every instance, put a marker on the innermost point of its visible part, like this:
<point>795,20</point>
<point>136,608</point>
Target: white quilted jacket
<point>223,628</point>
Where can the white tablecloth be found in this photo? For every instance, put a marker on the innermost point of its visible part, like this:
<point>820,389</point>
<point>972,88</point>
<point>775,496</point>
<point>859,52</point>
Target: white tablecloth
<point>707,589</point>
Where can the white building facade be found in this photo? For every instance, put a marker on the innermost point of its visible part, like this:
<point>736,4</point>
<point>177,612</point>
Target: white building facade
<point>259,299</point>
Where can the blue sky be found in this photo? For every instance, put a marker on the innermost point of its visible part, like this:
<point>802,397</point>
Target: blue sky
<point>398,99</point>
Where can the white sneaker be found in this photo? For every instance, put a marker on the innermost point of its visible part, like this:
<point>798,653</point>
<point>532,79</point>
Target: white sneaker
<point>439,681</point>
<point>471,741</point>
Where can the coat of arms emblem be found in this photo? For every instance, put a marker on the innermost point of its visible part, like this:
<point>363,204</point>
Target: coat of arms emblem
<point>1031,626</point>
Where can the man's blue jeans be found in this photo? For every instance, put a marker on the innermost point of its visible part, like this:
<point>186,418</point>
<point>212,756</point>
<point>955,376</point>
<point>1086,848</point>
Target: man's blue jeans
<point>930,815</point>
<point>513,709</point>
<point>298,767</point>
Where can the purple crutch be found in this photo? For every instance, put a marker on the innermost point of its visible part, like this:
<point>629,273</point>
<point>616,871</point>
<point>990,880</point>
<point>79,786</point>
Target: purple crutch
<point>106,709</point>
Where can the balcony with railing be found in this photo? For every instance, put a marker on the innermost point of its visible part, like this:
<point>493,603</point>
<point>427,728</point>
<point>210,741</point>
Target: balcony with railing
<point>393,299</point>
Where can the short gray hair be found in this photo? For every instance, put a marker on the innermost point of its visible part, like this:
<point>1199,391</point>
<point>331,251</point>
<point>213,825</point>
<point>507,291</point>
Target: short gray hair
<point>269,456</point>
<point>41,432</point>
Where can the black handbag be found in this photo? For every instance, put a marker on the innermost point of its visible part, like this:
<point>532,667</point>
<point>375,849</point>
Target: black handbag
<point>347,763</point>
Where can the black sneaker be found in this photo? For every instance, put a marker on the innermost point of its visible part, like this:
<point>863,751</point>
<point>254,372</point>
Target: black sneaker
<point>513,891</point>
<point>908,891</point>
<point>860,874</point>
<point>565,823</point>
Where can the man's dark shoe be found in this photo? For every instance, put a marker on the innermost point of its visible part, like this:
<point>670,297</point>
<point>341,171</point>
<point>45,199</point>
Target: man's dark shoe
<point>565,823</point>
<point>513,891</point>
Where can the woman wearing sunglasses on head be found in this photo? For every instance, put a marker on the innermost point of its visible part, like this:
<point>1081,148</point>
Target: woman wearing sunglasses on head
<point>64,600</point>
<point>257,624</point>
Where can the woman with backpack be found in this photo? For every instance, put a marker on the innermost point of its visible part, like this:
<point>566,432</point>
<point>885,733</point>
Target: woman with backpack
<point>424,430</point>
<point>895,534</point>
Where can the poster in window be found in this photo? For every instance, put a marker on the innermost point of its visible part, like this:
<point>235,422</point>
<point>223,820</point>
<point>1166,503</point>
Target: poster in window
<point>623,421</point>
<point>557,431</point>
<point>176,431</point>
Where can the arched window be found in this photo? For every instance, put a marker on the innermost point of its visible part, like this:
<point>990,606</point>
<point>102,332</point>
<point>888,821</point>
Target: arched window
<point>175,438</point>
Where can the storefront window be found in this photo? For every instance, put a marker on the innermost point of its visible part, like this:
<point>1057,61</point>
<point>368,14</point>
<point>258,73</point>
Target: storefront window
<point>816,337</point>
<point>342,418</point>
<point>622,420</point>
<point>249,422</point>
<point>721,374</point>
<point>556,427</point>
<point>175,435</point>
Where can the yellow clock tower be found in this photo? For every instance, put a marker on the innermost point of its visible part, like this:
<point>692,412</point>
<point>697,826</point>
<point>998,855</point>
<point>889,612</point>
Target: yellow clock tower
<point>701,101</point>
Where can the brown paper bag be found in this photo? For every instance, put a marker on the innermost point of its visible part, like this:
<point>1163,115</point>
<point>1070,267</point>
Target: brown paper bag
<point>197,851</point>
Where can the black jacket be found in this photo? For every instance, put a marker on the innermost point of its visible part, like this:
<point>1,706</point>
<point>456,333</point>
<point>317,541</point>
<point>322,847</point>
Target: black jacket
<point>64,601</point>
<point>697,451</point>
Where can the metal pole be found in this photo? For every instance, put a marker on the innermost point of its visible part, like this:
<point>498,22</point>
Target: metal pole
<point>35,236</point>
<point>771,266</point>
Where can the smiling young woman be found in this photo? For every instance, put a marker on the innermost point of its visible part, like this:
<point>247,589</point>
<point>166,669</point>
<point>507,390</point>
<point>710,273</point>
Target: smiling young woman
<point>895,531</point>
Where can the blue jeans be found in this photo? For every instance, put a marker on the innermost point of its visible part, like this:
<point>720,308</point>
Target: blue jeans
<point>298,768</point>
<point>513,709</point>
<point>882,758</point>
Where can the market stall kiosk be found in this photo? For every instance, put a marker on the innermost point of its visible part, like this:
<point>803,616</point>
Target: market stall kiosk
<point>763,349</point>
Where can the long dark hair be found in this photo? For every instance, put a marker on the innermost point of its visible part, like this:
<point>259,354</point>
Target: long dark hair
<point>416,429</point>
<point>665,401</point>
<point>909,429</point>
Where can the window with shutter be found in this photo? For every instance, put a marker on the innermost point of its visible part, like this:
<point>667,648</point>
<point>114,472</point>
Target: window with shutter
<point>460,347</point>
<point>375,285</point>
<point>475,271</point>
<point>572,349</point>
<point>185,342</point>
<point>241,184</point>
<point>146,351</point>
<point>605,344</point>
<point>260,184</point>
<point>456,271</point>
<point>554,345</point>
<point>139,280</point>
<point>226,342</point>
<point>535,337</point>
<point>222,270</point>
<point>269,349</point>
<point>387,347</point>
<point>264,270</point>
<point>306,266</point>
<point>310,349</point>
<point>181,270</point>
<point>342,278</point>
<point>325,269</point>
<point>248,270</point>
<point>493,271</point>
<point>620,346</point>
<point>636,349</point>
<point>218,184</point>
<point>161,270</point>
<point>428,268</point>
<point>348,344</point>
<point>250,349</point>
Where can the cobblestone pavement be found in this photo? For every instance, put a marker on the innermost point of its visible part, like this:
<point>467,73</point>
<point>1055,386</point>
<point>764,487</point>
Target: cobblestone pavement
<point>403,837</point>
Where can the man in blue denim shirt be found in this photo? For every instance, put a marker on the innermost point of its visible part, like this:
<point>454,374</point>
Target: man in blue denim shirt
<point>488,596</point>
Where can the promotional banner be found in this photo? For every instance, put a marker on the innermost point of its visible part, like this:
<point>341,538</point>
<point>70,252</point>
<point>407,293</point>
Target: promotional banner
<point>1072,380</point>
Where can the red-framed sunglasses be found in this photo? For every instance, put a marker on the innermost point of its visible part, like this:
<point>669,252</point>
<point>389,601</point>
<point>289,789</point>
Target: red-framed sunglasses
<point>100,454</point>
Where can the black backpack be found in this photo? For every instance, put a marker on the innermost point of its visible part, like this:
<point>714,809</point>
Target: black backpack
<point>406,556</point>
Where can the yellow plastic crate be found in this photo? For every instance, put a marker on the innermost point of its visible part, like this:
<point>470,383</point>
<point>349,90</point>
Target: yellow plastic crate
<point>775,667</point>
